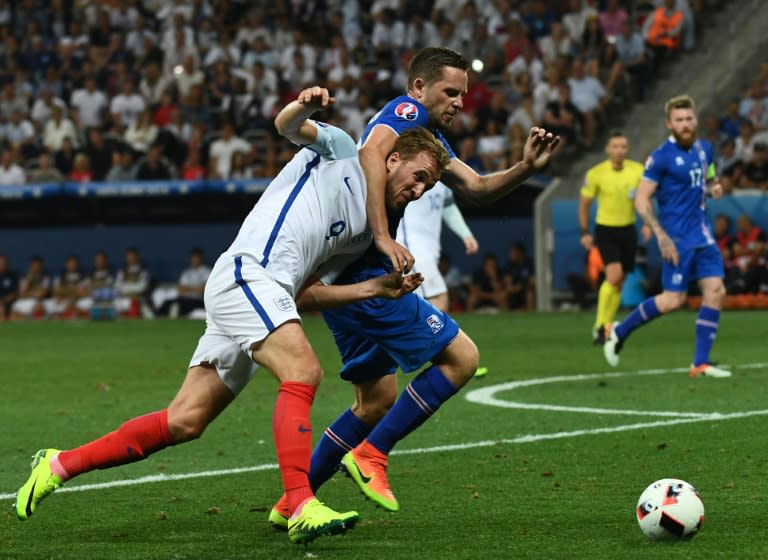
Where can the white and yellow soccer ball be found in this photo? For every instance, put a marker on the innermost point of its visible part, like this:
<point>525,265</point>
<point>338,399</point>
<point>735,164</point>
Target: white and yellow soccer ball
<point>670,509</point>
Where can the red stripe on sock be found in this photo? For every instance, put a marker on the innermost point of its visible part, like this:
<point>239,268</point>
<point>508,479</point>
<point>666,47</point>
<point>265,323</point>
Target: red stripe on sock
<point>292,431</point>
<point>134,440</point>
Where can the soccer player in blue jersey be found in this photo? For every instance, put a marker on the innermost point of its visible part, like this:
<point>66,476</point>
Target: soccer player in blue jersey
<point>375,339</point>
<point>681,175</point>
<point>437,83</point>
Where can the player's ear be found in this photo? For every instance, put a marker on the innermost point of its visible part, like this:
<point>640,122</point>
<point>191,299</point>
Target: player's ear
<point>417,87</point>
<point>393,161</point>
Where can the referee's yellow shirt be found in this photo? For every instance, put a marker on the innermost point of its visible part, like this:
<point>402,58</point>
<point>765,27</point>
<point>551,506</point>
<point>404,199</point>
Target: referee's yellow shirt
<point>614,191</point>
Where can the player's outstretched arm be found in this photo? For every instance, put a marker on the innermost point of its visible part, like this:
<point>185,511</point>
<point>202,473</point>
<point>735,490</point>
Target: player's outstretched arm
<point>291,122</point>
<point>316,296</point>
<point>373,156</point>
<point>539,147</point>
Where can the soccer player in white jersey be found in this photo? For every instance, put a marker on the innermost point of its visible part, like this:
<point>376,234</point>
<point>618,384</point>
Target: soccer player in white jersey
<point>419,232</point>
<point>312,211</point>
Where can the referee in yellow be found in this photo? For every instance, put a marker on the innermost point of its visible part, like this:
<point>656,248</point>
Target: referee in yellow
<point>613,183</point>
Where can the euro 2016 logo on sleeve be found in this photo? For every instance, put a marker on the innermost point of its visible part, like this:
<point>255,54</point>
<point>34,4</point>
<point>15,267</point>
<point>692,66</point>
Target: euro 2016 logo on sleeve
<point>434,323</point>
<point>407,111</point>
<point>284,303</point>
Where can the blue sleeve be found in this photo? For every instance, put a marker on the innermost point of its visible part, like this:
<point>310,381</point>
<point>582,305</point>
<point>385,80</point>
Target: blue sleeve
<point>332,142</point>
<point>439,136</point>
<point>654,167</point>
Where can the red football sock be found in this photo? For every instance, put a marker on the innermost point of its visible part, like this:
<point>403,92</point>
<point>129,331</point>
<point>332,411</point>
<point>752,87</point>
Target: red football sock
<point>292,431</point>
<point>134,440</point>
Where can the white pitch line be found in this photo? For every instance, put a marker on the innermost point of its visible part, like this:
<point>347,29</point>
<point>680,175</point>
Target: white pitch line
<point>529,438</point>
<point>486,395</point>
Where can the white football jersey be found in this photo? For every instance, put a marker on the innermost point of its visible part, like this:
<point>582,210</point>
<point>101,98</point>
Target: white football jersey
<point>419,230</point>
<point>313,210</point>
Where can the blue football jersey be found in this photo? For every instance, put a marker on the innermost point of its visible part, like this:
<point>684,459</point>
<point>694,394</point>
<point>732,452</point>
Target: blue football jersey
<point>681,178</point>
<point>400,114</point>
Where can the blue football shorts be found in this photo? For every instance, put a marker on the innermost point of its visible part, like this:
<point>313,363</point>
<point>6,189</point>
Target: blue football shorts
<point>377,335</point>
<point>695,263</point>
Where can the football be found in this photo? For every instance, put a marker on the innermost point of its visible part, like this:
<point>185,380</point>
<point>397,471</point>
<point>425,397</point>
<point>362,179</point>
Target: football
<point>670,509</point>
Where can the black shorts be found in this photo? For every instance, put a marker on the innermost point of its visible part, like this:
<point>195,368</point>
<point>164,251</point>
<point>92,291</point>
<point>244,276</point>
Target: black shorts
<point>617,244</point>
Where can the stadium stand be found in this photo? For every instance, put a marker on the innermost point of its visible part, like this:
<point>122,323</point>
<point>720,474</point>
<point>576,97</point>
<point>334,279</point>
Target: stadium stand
<point>97,94</point>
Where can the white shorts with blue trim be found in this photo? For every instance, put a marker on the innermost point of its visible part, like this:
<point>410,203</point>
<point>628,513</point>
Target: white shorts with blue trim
<point>243,305</point>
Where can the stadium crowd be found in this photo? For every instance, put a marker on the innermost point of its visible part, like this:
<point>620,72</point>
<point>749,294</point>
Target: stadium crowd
<point>143,90</point>
<point>124,90</point>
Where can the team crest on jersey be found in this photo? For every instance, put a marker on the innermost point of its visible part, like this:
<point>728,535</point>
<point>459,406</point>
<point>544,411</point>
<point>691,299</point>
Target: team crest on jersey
<point>435,323</point>
<point>284,303</point>
<point>679,161</point>
<point>407,111</point>
<point>677,278</point>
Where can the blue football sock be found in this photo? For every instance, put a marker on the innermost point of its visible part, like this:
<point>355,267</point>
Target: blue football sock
<point>421,398</point>
<point>706,331</point>
<point>346,432</point>
<point>642,314</point>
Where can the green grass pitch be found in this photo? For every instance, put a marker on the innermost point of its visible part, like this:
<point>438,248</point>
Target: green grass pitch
<point>552,470</point>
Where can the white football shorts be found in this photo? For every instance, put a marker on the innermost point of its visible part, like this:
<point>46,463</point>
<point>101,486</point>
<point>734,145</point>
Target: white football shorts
<point>433,284</point>
<point>243,304</point>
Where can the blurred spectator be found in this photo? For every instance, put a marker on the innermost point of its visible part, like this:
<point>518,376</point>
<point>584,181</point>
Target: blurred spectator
<point>663,30</point>
<point>164,110</point>
<point>193,169</point>
<point>630,54</point>
<point>10,172</point>
<point>710,131</point>
<point>487,286</point>
<point>546,91</point>
<point>357,117</point>
<point>492,145</point>
<point>142,132</point>
<point>575,19</point>
<point>755,175</point>
<point>527,62</point>
<point>153,167</point>
<point>589,97</point>
<point>20,133</point>
<point>10,102</point>
<point>731,122</point>
<point>9,288</point>
<point>238,167</point>
<point>729,166</point>
<point>457,288</point>
<point>45,172</point>
<point>132,286</point>
<point>58,128</point>
<point>42,109</point>
<point>500,22</point>
<point>34,286</point>
<point>745,142</point>
<point>90,104</point>
<point>537,18</point>
<point>99,151</point>
<point>126,106</point>
<point>753,108</point>
<point>98,288</point>
<point>519,280</point>
<point>518,125</point>
<point>68,288</point>
<point>612,18</point>
<point>468,154</point>
<point>153,84</point>
<point>64,158</point>
<point>420,32</point>
<point>222,150</point>
<point>388,33</point>
<point>81,169</point>
<point>748,254</point>
<point>561,118</point>
<point>556,44</point>
<point>188,293</point>
<point>123,166</point>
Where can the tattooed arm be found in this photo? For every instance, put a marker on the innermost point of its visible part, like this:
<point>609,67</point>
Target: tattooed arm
<point>644,207</point>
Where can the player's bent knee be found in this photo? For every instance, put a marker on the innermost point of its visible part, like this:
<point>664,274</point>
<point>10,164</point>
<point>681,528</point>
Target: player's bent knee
<point>459,360</point>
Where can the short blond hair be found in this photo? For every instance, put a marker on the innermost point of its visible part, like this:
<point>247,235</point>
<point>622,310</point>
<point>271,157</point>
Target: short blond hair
<point>679,102</point>
<point>419,139</point>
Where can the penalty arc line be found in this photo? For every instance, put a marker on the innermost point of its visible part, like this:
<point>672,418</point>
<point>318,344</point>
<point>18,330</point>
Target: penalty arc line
<point>530,438</point>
